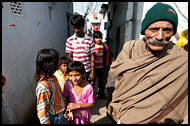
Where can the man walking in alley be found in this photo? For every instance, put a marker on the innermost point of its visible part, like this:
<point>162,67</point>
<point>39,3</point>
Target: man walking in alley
<point>80,47</point>
<point>151,74</point>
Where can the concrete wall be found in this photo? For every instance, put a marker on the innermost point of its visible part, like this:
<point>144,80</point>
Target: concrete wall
<point>41,25</point>
<point>124,23</point>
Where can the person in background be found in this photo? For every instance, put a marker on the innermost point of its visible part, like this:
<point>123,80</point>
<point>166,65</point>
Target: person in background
<point>80,47</point>
<point>50,100</point>
<point>96,28</point>
<point>79,95</point>
<point>110,87</point>
<point>61,73</point>
<point>90,31</point>
<point>101,63</point>
<point>151,74</point>
<point>175,38</point>
<point>183,41</point>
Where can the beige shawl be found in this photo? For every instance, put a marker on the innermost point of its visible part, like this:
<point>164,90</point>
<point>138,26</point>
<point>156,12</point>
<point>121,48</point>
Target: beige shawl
<point>147,83</point>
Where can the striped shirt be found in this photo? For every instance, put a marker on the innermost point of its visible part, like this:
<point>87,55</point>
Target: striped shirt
<point>49,99</point>
<point>81,48</point>
<point>99,56</point>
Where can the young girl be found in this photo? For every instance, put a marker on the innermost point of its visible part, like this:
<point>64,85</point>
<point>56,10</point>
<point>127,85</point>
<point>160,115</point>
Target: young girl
<point>50,101</point>
<point>79,94</point>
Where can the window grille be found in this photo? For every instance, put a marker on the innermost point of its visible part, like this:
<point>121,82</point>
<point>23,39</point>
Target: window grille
<point>17,8</point>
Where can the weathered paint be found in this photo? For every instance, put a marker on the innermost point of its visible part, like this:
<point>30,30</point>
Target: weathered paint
<point>42,25</point>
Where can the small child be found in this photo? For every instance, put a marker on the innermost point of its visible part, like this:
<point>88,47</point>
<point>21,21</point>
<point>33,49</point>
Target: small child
<point>79,94</point>
<point>101,63</point>
<point>50,100</point>
<point>183,41</point>
<point>61,73</point>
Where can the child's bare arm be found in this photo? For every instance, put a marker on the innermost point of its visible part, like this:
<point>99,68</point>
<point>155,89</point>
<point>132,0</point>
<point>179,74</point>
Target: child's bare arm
<point>72,106</point>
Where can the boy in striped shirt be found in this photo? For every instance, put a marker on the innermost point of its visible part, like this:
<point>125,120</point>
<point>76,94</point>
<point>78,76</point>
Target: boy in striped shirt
<point>80,47</point>
<point>101,63</point>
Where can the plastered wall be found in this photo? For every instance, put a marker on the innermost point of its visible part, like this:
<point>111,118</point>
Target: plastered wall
<point>34,26</point>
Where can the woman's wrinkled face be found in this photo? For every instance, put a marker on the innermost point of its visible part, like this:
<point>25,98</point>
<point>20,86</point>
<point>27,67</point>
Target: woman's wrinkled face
<point>160,31</point>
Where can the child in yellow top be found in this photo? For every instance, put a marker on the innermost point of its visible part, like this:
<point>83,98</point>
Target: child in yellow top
<point>61,74</point>
<point>183,41</point>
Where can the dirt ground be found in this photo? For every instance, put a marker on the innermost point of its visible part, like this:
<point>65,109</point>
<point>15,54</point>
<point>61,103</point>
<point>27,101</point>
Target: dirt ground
<point>97,112</point>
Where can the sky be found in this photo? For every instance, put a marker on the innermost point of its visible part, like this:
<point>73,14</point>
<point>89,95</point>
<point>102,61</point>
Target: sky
<point>81,7</point>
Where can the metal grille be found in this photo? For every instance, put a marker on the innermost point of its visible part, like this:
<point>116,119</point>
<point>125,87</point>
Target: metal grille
<point>17,8</point>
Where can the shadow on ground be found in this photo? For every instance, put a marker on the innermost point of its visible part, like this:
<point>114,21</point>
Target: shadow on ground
<point>104,120</point>
<point>99,103</point>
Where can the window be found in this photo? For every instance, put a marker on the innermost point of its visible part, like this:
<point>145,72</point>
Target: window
<point>16,8</point>
<point>105,25</point>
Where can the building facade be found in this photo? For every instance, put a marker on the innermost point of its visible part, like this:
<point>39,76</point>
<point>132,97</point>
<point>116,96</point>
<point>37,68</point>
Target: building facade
<point>28,27</point>
<point>104,21</point>
<point>124,20</point>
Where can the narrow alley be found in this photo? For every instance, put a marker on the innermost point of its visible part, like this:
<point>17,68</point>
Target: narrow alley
<point>98,113</point>
<point>28,27</point>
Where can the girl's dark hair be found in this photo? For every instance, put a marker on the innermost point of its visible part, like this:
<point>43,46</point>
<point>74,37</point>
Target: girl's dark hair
<point>76,66</point>
<point>65,60</point>
<point>77,20</point>
<point>47,62</point>
<point>97,34</point>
